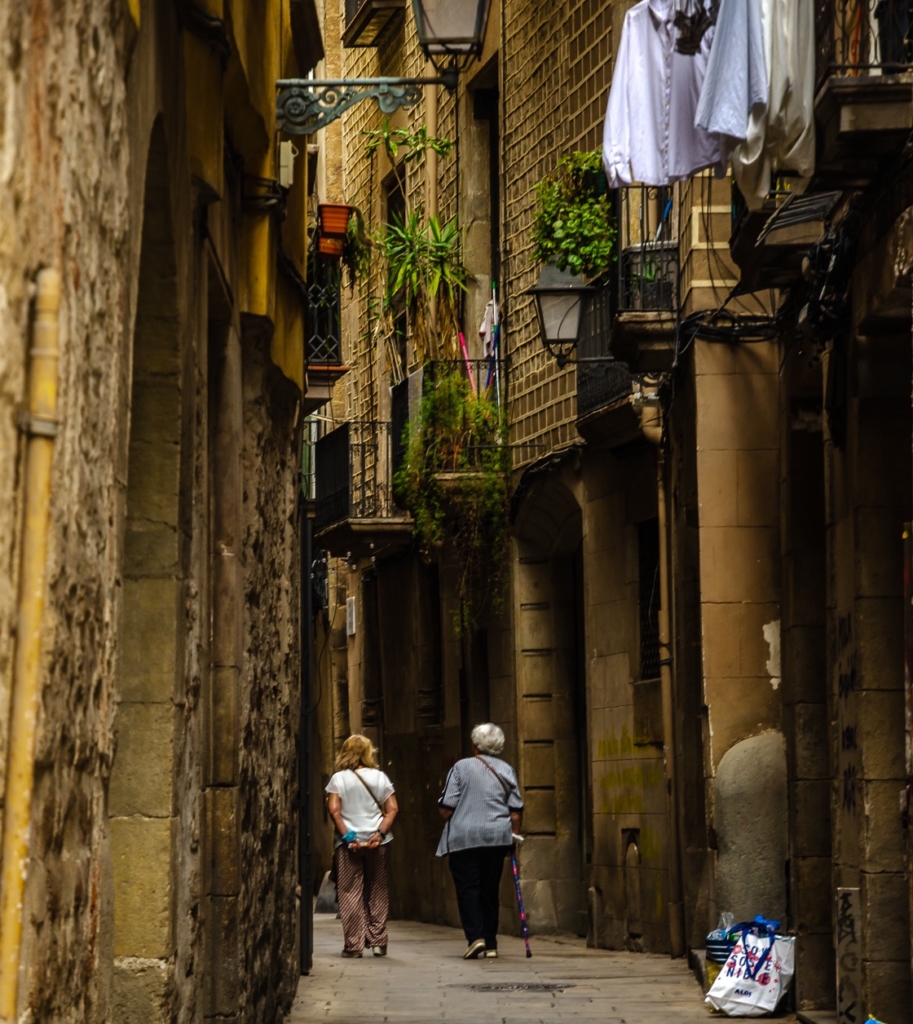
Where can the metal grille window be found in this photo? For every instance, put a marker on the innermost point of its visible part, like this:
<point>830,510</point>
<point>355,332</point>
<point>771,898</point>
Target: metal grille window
<point>323,327</point>
<point>648,563</point>
<point>648,262</point>
<point>863,36</point>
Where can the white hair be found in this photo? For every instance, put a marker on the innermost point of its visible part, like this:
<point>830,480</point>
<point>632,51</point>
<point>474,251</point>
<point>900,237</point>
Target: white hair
<point>488,739</point>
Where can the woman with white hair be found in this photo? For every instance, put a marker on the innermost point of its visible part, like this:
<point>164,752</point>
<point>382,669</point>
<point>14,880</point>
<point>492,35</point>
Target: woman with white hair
<point>482,806</point>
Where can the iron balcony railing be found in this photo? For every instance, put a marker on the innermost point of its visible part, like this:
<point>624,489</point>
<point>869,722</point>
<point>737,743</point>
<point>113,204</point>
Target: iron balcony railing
<point>601,379</point>
<point>648,257</point>
<point>323,324</point>
<point>863,37</point>
<point>487,379</point>
<point>353,474</point>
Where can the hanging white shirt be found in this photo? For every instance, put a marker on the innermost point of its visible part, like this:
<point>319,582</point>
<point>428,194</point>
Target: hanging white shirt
<point>649,128</point>
<point>736,81</point>
<point>781,136</point>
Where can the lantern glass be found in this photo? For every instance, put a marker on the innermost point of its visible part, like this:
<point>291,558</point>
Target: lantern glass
<point>559,315</point>
<point>560,298</point>
<point>451,26</point>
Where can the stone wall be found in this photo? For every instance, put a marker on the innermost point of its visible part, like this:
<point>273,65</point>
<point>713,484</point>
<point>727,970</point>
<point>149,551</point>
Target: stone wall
<point>62,203</point>
<point>270,693</point>
<point>166,764</point>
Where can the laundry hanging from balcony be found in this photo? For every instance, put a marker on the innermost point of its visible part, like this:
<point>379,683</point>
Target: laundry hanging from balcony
<point>781,133</point>
<point>649,132</point>
<point>739,89</point>
<point>736,82</point>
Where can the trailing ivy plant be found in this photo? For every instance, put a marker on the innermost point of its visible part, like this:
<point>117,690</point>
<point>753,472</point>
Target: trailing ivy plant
<point>573,225</point>
<point>454,481</point>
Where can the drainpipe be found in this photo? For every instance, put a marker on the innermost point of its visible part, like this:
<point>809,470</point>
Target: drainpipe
<point>40,426</point>
<point>652,427</point>
<point>431,182</point>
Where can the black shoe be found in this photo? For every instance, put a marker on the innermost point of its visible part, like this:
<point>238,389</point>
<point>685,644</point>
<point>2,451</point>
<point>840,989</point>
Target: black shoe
<point>350,953</point>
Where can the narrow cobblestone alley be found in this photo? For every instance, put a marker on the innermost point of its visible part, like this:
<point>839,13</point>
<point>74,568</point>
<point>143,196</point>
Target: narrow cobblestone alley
<point>424,980</point>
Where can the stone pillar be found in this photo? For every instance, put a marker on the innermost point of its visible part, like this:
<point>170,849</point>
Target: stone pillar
<point>222,870</point>
<point>806,704</point>
<point>738,507</point>
<point>868,504</point>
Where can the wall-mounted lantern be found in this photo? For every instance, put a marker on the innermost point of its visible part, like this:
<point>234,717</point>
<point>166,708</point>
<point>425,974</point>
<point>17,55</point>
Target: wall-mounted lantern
<point>451,29</point>
<point>560,302</point>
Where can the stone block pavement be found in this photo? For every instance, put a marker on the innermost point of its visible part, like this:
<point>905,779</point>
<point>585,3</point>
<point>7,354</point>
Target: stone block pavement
<point>424,980</point>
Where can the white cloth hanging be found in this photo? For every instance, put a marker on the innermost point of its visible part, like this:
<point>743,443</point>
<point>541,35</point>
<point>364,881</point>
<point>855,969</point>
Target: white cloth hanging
<point>649,134</point>
<point>781,136</point>
<point>487,327</point>
<point>736,82</point>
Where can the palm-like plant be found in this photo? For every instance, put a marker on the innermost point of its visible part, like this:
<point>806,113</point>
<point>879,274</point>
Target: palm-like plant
<point>425,267</point>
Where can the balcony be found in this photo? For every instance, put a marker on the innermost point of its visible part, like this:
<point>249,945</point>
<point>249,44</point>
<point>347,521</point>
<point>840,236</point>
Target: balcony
<point>355,512</point>
<point>648,275</point>
<point>864,68</point>
<point>605,416</point>
<point>768,245</point>
<point>323,332</point>
<point>368,21</point>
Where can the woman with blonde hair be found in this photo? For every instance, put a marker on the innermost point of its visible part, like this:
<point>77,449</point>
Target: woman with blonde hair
<point>362,804</point>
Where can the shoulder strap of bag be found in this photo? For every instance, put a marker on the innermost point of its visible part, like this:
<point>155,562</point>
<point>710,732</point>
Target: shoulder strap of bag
<point>380,806</point>
<point>504,785</point>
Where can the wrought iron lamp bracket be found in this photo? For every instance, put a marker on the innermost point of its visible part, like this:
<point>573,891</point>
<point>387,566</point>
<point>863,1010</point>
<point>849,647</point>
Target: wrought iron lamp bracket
<point>306,105</point>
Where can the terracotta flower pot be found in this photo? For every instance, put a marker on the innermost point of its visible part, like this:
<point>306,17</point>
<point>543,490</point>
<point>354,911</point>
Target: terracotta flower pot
<point>334,219</point>
<point>331,248</point>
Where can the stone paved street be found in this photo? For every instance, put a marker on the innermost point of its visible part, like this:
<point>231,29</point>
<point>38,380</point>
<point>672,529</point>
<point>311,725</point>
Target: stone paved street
<point>424,980</point>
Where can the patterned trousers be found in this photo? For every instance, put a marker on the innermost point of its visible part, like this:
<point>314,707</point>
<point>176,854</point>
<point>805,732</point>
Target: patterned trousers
<point>363,896</point>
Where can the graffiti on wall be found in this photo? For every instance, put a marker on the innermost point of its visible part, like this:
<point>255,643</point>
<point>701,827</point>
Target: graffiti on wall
<point>849,962</point>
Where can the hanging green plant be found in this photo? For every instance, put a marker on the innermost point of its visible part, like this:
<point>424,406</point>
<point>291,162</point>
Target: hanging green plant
<point>454,481</point>
<point>574,225</point>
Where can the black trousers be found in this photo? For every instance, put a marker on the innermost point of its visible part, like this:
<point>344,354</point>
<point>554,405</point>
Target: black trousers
<point>477,877</point>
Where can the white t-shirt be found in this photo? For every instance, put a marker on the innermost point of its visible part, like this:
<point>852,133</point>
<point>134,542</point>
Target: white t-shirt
<point>359,812</point>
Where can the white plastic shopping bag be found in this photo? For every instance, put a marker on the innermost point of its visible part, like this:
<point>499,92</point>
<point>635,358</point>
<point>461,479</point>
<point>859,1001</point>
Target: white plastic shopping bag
<point>757,973</point>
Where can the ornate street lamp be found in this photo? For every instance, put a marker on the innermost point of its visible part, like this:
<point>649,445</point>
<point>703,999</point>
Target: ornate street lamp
<point>560,302</point>
<point>451,29</point>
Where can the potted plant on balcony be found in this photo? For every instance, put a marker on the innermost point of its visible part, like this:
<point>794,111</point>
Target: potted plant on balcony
<point>454,481</point>
<point>332,228</point>
<point>573,224</point>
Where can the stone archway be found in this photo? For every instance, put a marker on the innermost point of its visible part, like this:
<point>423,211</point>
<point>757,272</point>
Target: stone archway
<point>141,800</point>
